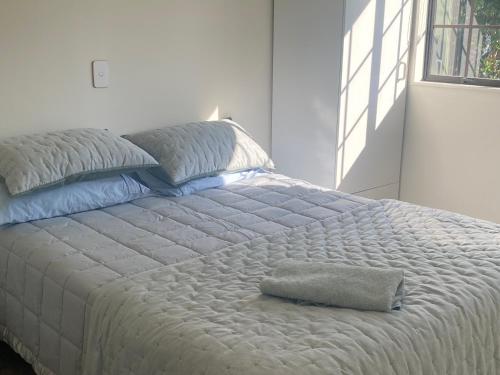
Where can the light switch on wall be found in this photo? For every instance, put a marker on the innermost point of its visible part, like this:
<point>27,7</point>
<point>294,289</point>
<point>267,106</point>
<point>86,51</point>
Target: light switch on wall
<point>100,69</point>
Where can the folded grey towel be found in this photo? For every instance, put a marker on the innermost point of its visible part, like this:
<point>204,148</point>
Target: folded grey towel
<point>362,288</point>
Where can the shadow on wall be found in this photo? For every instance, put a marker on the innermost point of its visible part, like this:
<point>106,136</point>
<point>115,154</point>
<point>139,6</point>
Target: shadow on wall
<point>373,90</point>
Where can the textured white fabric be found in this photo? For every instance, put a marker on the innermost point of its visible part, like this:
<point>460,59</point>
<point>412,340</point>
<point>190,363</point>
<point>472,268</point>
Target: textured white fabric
<point>331,284</point>
<point>49,267</point>
<point>207,316</point>
<point>32,162</point>
<point>200,149</point>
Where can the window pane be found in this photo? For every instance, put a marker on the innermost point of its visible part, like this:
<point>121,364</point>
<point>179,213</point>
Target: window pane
<point>487,12</point>
<point>452,12</point>
<point>447,52</point>
<point>484,60</point>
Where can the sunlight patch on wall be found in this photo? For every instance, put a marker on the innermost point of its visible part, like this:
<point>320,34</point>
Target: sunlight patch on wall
<point>389,54</point>
<point>389,63</point>
<point>393,69</point>
<point>386,98</point>
<point>353,145</point>
<point>362,36</point>
<point>392,12</point>
<point>420,34</point>
<point>346,58</point>
<point>355,93</point>
<point>373,78</point>
<point>215,115</point>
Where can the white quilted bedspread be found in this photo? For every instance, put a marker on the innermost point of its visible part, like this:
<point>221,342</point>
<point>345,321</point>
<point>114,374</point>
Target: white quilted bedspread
<point>206,316</point>
<point>48,268</point>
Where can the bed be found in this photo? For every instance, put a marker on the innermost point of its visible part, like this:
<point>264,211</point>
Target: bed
<point>50,268</point>
<point>206,316</point>
<point>170,285</point>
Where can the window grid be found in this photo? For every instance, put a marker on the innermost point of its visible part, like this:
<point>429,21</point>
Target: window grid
<point>466,26</point>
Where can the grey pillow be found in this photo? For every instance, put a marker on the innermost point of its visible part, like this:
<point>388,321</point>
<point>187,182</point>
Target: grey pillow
<point>32,162</point>
<point>201,149</point>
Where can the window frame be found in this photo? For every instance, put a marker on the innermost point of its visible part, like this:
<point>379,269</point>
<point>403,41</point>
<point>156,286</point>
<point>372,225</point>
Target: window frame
<point>470,26</point>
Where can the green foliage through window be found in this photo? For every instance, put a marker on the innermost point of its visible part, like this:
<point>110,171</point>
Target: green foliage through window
<point>464,41</point>
<point>487,12</point>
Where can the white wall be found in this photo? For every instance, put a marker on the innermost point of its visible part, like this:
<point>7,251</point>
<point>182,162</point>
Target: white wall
<point>451,150</point>
<point>373,94</point>
<point>306,86</point>
<point>339,92</point>
<point>170,60</point>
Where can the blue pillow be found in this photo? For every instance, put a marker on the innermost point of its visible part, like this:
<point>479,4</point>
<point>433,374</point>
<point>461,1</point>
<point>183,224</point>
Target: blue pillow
<point>69,199</point>
<point>190,187</point>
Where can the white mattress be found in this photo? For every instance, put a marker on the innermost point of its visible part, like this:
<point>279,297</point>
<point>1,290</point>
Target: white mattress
<point>207,316</point>
<point>49,268</point>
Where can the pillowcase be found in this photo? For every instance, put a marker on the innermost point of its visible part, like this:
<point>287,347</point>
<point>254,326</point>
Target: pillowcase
<point>69,199</point>
<point>32,162</point>
<point>199,184</point>
<point>201,149</point>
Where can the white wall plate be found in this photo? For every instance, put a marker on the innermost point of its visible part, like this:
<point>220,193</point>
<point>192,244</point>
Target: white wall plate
<point>100,69</point>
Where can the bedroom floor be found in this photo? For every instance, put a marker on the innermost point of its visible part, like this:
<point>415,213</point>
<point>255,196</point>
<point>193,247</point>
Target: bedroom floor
<point>11,363</point>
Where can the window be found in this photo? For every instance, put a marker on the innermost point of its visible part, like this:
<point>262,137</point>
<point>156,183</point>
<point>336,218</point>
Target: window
<point>463,44</point>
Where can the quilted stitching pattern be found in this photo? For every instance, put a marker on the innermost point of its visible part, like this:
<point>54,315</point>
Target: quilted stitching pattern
<point>201,149</point>
<point>207,316</point>
<point>35,161</point>
<point>48,268</point>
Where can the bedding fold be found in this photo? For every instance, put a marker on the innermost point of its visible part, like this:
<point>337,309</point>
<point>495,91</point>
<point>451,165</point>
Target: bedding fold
<point>50,267</point>
<point>207,316</point>
<point>360,288</point>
